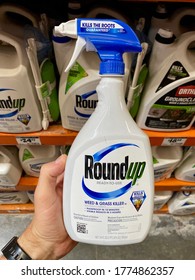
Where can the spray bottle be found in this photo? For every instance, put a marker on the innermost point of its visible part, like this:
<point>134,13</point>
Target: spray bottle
<point>108,184</point>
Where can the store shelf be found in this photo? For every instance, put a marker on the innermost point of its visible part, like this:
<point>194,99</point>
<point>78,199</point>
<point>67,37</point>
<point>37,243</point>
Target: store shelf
<point>54,135</point>
<point>163,210</point>
<point>185,138</point>
<point>27,184</point>
<point>57,135</point>
<point>17,208</point>
<point>171,184</point>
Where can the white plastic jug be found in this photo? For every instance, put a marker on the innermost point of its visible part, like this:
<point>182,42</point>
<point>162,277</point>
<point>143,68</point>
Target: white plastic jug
<point>175,22</point>
<point>15,197</point>
<point>161,198</point>
<point>10,168</point>
<point>165,160</point>
<point>19,105</point>
<point>168,102</point>
<point>103,11</point>
<point>14,17</point>
<point>33,157</point>
<point>31,195</point>
<point>182,203</point>
<point>186,171</point>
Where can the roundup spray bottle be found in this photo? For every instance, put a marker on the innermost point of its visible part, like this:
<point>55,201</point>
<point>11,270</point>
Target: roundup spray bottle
<point>108,186</point>
<point>77,88</point>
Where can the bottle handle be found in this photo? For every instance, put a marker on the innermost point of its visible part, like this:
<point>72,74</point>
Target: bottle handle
<point>186,39</point>
<point>95,11</point>
<point>3,154</point>
<point>15,42</point>
<point>11,8</point>
<point>181,13</point>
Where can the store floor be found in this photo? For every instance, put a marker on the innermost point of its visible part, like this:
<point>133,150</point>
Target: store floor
<point>170,237</point>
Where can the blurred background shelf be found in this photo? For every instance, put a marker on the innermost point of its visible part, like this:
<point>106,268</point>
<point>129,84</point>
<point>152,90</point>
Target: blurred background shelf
<point>171,184</point>
<point>57,135</point>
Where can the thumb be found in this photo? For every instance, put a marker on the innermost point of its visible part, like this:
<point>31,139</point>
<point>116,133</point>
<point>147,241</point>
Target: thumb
<point>46,187</point>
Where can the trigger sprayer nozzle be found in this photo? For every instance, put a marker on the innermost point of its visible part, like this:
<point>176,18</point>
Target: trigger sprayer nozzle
<point>110,38</point>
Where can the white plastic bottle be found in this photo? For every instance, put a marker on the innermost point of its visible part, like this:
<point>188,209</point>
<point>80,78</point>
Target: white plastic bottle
<point>108,183</point>
<point>19,105</point>
<point>105,11</point>
<point>161,198</point>
<point>165,160</point>
<point>180,21</point>
<point>77,89</point>
<point>10,168</point>
<point>14,18</point>
<point>14,197</point>
<point>182,203</point>
<point>186,171</point>
<point>63,49</point>
<point>168,102</point>
<point>33,157</point>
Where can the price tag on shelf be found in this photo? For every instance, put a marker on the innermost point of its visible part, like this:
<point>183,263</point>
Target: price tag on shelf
<point>174,141</point>
<point>28,140</point>
<point>188,188</point>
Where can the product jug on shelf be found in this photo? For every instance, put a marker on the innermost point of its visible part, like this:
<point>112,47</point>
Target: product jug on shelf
<point>180,21</point>
<point>13,19</point>
<point>32,157</point>
<point>19,106</point>
<point>165,160</point>
<point>186,170</point>
<point>10,168</point>
<point>14,197</point>
<point>168,100</point>
<point>182,203</point>
<point>161,198</point>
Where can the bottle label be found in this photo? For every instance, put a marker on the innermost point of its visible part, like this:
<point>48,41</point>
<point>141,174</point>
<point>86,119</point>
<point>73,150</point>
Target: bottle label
<point>176,72</point>
<point>82,102</point>
<point>16,111</point>
<point>113,192</point>
<point>174,110</point>
<point>75,74</point>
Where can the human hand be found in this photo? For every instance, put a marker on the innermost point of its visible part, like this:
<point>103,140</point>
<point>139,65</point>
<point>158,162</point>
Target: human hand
<point>46,236</point>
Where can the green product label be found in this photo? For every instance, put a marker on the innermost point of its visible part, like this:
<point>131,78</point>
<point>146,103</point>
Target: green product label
<point>75,74</point>
<point>155,161</point>
<point>27,155</point>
